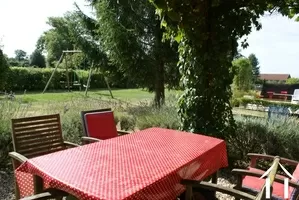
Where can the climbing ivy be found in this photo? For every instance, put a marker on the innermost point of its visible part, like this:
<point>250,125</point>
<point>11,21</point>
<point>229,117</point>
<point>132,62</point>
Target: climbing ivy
<point>208,32</point>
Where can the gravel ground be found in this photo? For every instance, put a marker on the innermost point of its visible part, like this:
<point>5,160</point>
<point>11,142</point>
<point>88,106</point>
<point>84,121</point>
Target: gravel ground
<point>6,186</point>
<point>7,192</point>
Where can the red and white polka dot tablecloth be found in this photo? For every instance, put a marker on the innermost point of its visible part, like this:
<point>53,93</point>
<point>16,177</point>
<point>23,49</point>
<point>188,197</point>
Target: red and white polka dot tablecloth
<point>148,164</point>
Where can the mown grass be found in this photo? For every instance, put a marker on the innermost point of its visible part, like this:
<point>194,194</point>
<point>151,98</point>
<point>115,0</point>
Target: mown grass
<point>132,95</point>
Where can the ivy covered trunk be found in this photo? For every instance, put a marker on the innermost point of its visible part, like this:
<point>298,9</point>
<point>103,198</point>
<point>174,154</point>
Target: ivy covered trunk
<point>206,54</point>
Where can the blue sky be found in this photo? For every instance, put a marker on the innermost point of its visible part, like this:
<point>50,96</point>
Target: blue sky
<point>276,45</point>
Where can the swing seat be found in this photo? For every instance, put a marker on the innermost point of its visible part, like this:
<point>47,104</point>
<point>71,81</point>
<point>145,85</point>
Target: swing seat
<point>76,83</point>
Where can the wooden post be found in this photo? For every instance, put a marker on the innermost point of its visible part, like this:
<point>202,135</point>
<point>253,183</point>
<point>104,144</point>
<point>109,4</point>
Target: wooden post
<point>106,81</point>
<point>67,75</point>
<point>271,176</point>
<point>88,80</point>
<point>60,60</point>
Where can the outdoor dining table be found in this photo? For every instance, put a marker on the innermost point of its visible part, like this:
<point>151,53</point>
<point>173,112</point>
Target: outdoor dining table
<point>147,164</point>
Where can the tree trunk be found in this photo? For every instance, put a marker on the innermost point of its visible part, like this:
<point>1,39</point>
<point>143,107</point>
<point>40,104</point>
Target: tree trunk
<point>159,68</point>
<point>205,65</point>
<point>159,84</point>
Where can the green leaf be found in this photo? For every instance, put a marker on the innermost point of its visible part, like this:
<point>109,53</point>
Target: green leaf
<point>174,16</point>
<point>161,4</point>
<point>178,38</point>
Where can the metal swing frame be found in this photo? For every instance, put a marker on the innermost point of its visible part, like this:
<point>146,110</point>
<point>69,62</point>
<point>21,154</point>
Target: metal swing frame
<point>64,53</point>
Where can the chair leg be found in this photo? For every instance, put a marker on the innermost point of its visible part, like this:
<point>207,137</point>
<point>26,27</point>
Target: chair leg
<point>214,180</point>
<point>239,184</point>
<point>189,193</point>
<point>38,184</point>
<point>17,190</point>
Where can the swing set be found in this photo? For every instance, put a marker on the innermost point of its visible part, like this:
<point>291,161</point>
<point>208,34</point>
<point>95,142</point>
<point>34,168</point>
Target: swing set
<point>71,83</point>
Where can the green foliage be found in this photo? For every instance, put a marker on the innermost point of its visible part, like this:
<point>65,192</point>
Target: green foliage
<point>8,110</point>
<point>261,102</point>
<point>133,25</point>
<point>20,55</point>
<point>147,115</point>
<point>54,41</point>
<point>3,69</point>
<point>37,59</point>
<point>255,67</point>
<point>127,122</point>
<point>244,76</point>
<point>208,34</point>
<point>260,135</point>
<point>32,79</point>
<point>292,81</point>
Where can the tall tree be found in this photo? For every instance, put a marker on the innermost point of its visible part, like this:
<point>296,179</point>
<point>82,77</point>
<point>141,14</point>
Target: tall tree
<point>243,78</point>
<point>37,59</point>
<point>55,41</point>
<point>292,81</point>
<point>130,32</point>
<point>3,69</point>
<point>208,32</point>
<point>255,67</point>
<point>20,55</point>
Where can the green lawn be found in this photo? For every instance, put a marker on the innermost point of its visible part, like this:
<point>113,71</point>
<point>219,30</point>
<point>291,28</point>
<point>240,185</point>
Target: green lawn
<point>58,99</point>
<point>129,95</point>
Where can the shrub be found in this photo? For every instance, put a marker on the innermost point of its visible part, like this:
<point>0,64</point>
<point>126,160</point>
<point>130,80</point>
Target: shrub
<point>277,136</point>
<point>32,79</point>
<point>127,122</point>
<point>148,116</point>
<point>8,110</point>
<point>261,102</point>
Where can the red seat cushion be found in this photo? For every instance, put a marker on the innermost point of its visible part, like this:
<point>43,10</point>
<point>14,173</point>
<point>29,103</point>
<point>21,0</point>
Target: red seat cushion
<point>100,125</point>
<point>256,184</point>
<point>296,176</point>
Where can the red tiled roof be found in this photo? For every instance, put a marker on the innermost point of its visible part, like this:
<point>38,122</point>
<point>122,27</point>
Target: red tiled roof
<point>274,77</point>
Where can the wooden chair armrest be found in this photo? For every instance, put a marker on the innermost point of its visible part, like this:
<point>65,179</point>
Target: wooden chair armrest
<point>70,144</point>
<point>254,157</point>
<point>218,188</point>
<point>50,193</point>
<point>16,156</point>
<point>41,196</point>
<point>277,179</point>
<point>87,140</point>
<point>121,132</point>
<point>244,172</point>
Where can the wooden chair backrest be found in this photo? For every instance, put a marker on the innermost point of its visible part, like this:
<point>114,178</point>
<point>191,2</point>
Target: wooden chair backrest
<point>85,131</point>
<point>36,136</point>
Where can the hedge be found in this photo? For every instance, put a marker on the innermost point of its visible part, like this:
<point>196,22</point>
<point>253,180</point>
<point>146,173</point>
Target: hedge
<point>33,79</point>
<point>261,102</point>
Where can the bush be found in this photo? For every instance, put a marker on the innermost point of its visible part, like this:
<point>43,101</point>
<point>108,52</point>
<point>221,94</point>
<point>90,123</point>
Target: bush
<point>261,102</point>
<point>148,116</point>
<point>127,122</point>
<point>33,79</point>
<point>277,136</point>
<point>8,110</point>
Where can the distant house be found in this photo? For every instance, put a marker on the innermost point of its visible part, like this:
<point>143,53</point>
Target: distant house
<point>274,78</point>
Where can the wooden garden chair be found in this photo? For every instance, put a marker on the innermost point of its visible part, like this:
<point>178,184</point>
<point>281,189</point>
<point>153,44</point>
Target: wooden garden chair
<point>31,137</point>
<point>99,125</point>
<point>249,179</point>
<point>235,192</point>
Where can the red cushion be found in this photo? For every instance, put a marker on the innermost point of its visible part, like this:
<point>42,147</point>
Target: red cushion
<point>256,184</point>
<point>100,125</point>
<point>296,176</point>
